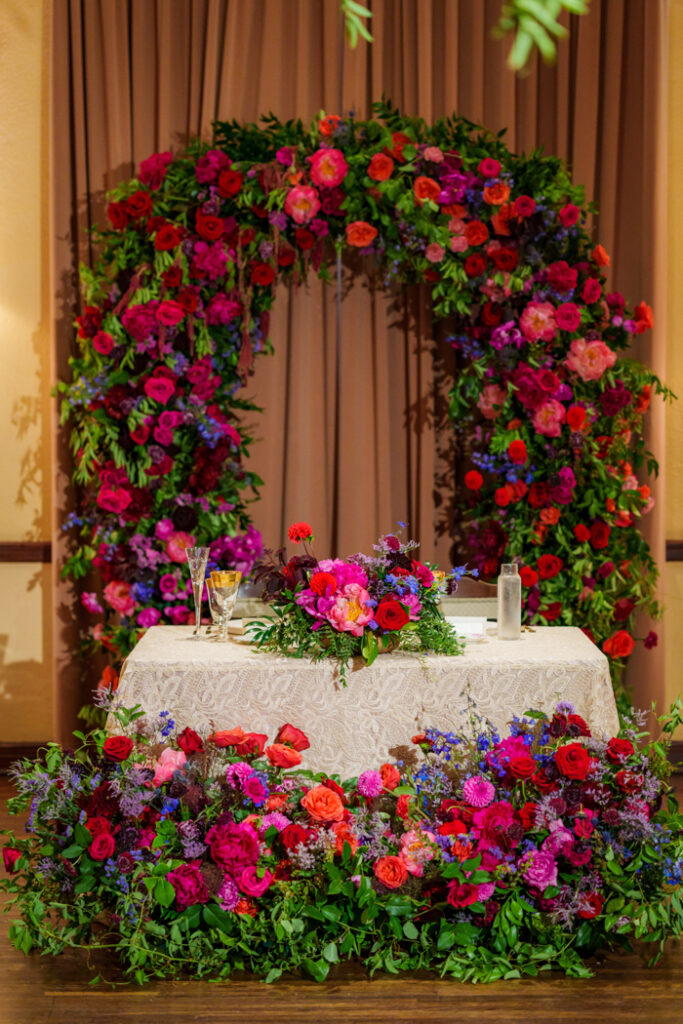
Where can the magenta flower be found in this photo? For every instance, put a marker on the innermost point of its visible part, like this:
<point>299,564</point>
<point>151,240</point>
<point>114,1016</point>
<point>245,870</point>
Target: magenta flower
<point>539,869</point>
<point>90,603</point>
<point>478,791</point>
<point>370,783</point>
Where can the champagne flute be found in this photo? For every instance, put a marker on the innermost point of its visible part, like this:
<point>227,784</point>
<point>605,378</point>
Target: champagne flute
<point>197,559</point>
<point>225,585</point>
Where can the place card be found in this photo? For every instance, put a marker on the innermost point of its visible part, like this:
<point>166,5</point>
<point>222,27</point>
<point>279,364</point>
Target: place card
<point>472,627</point>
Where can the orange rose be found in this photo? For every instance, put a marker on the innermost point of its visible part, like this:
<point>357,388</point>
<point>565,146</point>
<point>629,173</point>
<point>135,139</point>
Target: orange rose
<point>619,645</point>
<point>496,195</point>
<point>276,802</point>
<point>600,256</point>
<point>390,871</point>
<point>399,140</point>
<point>476,232</point>
<point>328,125</point>
<point>502,217</point>
<point>344,835</point>
<point>426,188</point>
<point>228,737</point>
<point>360,233</point>
<point>549,516</point>
<point>282,756</point>
<point>381,167</point>
<point>323,805</point>
<point>390,776</point>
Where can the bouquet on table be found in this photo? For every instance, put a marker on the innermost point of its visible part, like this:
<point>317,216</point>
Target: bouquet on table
<point>362,605</point>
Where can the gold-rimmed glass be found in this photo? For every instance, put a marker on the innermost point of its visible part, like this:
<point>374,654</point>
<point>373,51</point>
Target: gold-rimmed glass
<point>224,585</point>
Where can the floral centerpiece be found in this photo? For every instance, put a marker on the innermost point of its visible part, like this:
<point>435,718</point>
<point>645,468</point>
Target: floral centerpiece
<point>490,857</point>
<point>359,606</point>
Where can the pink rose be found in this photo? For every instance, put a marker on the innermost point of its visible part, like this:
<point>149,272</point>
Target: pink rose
<point>302,203</point>
<point>458,243</point>
<point>103,343</point>
<point>435,252</point>
<point>433,154</point>
<point>176,544</point>
<point>590,359</point>
<point>149,617</point>
<point>114,499</point>
<point>328,168</point>
<point>549,417</point>
<point>491,395</point>
<point>170,762</point>
<point>117,595</point>
<point>538,321</point>
<point>153,169</point>
<point>169,312</point>
<point>250,882</point>
<point>159,388</point>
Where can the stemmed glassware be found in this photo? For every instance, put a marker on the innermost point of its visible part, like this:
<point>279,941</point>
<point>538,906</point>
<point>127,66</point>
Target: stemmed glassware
<point>223,587</point>
<point>197,559</point>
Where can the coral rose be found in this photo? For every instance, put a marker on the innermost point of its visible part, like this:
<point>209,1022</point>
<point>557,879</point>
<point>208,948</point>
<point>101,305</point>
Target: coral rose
<point>381,167</point>
<point>282,756</point>
<point>426,188</point>
<point>360,233</point>
<point>328,168</point>
<point>390,871</point>
<point>228,737</point>
<point>323,805</point>
<point>619,645</point>
<point>344,835</point>
<point>390,776</point>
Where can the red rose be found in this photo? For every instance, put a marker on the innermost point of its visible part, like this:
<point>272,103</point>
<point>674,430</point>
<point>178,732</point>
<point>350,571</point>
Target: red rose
<point>117,748</point>
<point>517,452</point>
<point>169,312</point>
<point>595,902</point>
<point>102,846</point>
<point>189,741</point>
<point>285,256</point>
<point>582,533</point>
<point>623,609</point>
<point>253,743</point>
<point>336,788</point>
<point>172,277</point>
<point>551,611</point>
<point>572,760</point>
<point>282,756</point>
<point>591,291</point>
<point>247,235</point>
<point>380,167</point>
<point>391,776</point>
<point>229,183</point>
<point>262,274</point>
<point>600,532</point>
<point>619,645</point>
<point>167,237</point>
<point>579,724</point>
<point>528,576</point>
<point>304,238</point>
<point>475,265</point>
<point>576,417</point>
<point>300,531</point>
<point>549,566</point>
<point>524,206</point>
<point>476,232</point>
<point>390,871</point>
<point>544,783</point>
<point>391,614</point>
<point>569,215</point>
<point>538,495</point>
<point>473,480</point>
<point>398,141</point>
<point>505,259</point>
<point>294,835</point>
<point>10,856</point>
<point>491,314</point>
<point>97,826</point>
<point>618,750</point>
<point>522,767</point>
<point>462,894</point>
<point>139,204</point>
<point>208,227</point>
<point>629,781</point>
<point>562,277</point>
<point>527,815</point>
<point>116,212</point>
<point>295,737</point>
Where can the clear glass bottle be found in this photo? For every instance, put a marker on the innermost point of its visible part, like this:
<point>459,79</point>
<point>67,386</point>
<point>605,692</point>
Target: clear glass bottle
<point>509,603</point>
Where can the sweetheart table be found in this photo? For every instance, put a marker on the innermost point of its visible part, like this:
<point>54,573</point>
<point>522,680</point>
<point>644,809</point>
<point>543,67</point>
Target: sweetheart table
<point>220,685</point>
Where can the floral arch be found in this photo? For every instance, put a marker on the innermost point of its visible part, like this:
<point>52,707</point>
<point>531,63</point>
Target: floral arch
<point>548,404</point>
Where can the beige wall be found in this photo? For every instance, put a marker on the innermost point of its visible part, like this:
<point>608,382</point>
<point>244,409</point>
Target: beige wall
<point>25,643</point>
<point>672,573</point>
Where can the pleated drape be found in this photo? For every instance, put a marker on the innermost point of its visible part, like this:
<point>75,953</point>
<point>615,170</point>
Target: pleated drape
<point>353,437</point>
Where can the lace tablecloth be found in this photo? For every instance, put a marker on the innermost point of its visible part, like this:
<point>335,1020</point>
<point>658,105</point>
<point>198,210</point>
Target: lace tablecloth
<point>351,728</point>
<point>363,724</point>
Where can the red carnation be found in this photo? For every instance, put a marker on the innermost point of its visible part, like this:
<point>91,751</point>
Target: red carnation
<point>475,265</point>
<point>473,480</point>
<point>517,452</point>
<point>576,417</point>
<point>503,496</point>
<point>391,614</point>
<point>320,581</point>
<point>300,531</point>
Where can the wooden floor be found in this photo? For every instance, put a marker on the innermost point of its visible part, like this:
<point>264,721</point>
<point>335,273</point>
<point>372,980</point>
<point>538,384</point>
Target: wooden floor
<point>35,990</point>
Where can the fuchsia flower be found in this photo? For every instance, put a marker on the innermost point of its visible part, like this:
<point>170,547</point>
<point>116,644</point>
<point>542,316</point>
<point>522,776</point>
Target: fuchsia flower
<point>478,791</point>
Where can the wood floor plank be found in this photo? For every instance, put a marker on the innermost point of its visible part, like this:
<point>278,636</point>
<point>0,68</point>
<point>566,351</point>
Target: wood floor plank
<point>46,990</point>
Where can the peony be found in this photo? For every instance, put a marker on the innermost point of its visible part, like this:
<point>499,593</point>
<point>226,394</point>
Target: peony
<point>328,167</point>
<point>538,321</point>
<point>590,359</point>
<point>302,203</point>
<point>478,791</point>
<point>539,869</point>
<point>417,848</point>
<point>350,611</point>
<point>549,417</point>
<point>190,887</point>
<point>167,765</point>
<point>490,401</point>
<point>177,544</point>
<point>117,595</point>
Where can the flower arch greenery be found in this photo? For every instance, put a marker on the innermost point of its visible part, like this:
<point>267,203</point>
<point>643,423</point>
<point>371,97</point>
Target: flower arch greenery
<point>548,402</point>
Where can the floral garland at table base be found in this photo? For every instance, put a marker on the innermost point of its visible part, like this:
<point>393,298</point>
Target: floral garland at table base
<point>179,302</point>
<point>489,858</point>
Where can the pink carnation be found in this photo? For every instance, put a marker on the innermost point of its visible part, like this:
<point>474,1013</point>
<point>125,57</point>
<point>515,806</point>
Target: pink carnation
<point>590,359</point>
<point>252,883</point>
<point>478,791</point>
<point>328,168</point>
<point>538,321</point>
<point>153,169</point>
<point>549,417</point>
<point>221,310</point>
<point>302,203</point>
<point>433,154</point>
<point>491,395</point>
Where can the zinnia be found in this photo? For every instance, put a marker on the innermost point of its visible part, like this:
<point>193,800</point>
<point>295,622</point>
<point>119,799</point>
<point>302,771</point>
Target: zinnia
<point>478,791</point>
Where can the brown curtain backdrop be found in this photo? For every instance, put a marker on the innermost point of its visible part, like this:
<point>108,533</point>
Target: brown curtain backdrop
<point>352,437</point>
